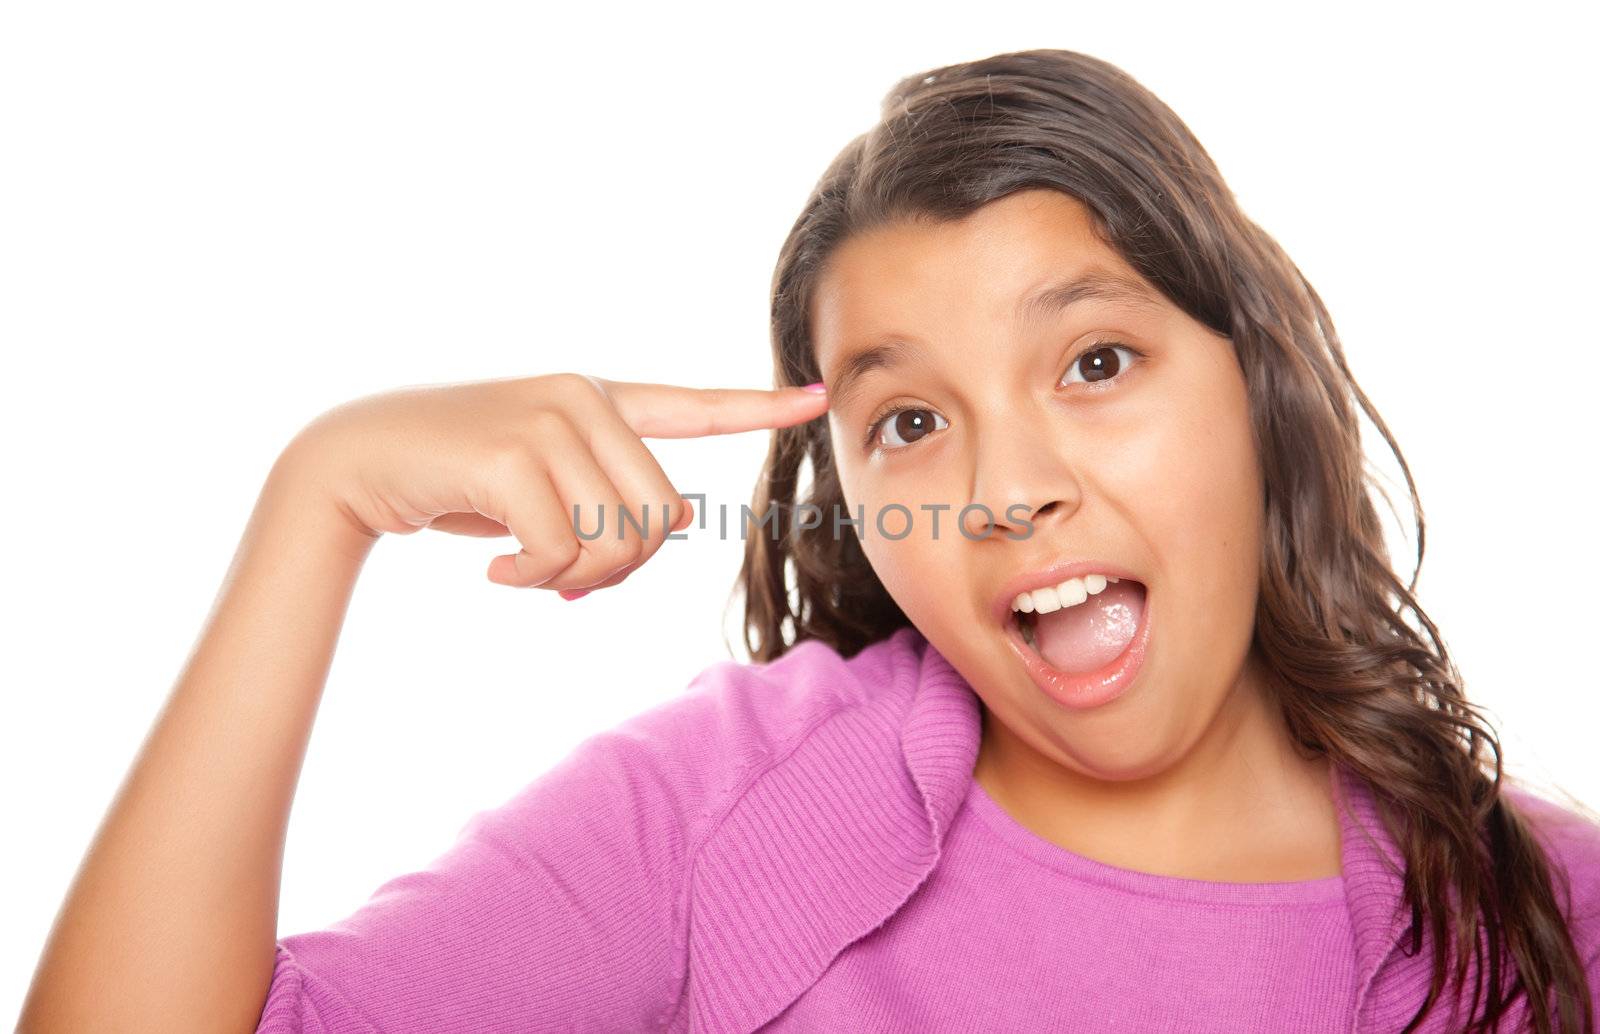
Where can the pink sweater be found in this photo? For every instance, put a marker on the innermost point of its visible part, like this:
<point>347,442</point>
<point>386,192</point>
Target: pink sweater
<point>800,846</point>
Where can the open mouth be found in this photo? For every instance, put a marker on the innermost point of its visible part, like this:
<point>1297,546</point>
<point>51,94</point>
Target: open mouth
<point>1083,625</point>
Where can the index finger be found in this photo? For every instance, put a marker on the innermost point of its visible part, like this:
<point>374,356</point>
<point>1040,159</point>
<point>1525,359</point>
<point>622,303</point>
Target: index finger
<point>674,411</point>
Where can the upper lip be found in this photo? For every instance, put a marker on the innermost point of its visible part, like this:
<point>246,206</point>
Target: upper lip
<point>1055,574</point>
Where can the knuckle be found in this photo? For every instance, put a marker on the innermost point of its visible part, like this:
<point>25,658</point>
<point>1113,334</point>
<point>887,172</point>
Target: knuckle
<point>549,425</point>
<point>579,390</point>
<point>615,553</point>
<point>555,553</point>
<point>567,552</point>
<point>568,380</point>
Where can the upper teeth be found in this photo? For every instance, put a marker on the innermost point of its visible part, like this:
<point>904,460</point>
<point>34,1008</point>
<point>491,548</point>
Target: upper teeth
<point>1069,593</point>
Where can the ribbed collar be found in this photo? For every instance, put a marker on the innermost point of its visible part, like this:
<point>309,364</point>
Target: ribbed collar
<point>832,840</point>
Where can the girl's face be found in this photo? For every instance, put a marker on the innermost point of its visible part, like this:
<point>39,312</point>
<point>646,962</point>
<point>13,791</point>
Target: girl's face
<point>1118,427</point>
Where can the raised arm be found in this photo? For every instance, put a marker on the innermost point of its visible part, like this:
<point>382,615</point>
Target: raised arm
<point>170,923</point>
<point>171,919</point>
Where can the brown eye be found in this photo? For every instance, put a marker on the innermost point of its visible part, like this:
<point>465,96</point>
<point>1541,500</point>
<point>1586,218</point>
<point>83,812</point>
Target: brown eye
<point>1100,363</point>
<point>906,426</point>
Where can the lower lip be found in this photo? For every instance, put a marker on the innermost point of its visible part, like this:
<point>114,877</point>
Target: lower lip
<point>1091,689</point>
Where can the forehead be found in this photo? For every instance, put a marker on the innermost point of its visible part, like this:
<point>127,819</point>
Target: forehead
<point>977,267</point>
<point>886,294</point>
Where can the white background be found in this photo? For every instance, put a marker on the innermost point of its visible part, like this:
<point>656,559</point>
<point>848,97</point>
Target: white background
<point>218,221</point>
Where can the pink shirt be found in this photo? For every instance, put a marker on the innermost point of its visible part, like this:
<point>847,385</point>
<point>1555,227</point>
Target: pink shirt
<point>1063,942</point>
<point>800,846</point>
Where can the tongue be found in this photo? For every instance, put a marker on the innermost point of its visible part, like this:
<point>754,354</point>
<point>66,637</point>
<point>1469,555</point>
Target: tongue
<point>1091,635</point>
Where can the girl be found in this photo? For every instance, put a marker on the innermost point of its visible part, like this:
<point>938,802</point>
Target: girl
<point>1083,696</point>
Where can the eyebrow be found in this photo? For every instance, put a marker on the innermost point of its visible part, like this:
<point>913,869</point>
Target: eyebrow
<point>1052,299</point>
<point>1098,284</point>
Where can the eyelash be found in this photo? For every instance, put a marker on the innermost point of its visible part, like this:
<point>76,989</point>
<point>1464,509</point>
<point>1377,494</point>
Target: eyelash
<point>877,422</point>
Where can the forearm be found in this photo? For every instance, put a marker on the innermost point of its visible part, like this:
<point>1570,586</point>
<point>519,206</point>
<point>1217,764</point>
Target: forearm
<point>170,923</point>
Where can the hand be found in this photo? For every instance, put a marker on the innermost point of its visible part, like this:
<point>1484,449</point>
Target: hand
<point>514,456</point>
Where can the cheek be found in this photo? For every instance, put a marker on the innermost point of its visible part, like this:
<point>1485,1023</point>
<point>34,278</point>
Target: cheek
<point>1190,482</point>
<point>915,567</point>
<point>910,563</point>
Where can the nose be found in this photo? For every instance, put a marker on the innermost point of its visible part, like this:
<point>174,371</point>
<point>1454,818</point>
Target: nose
<point>1020,481</point>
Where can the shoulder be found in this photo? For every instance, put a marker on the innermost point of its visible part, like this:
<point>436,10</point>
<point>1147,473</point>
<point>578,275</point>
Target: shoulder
<point>761,706</point>
<point>1572,842</point>
<point>659,782</point>
<point>737,719</point>
<point>810,682</point>
<point>1570,835</point>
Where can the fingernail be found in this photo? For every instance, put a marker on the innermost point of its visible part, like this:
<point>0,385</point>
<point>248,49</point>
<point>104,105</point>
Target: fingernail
<point>817,388</point>
<point>572,594</point>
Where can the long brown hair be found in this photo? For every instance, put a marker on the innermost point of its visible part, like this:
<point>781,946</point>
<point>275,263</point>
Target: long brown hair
<point>1359,683</point>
